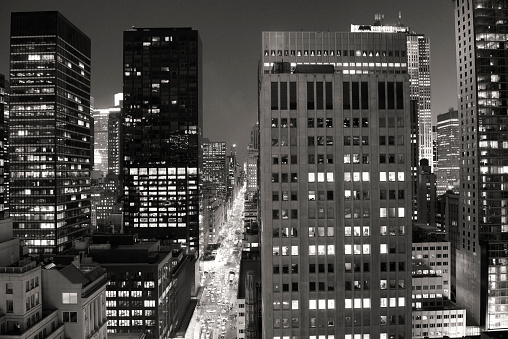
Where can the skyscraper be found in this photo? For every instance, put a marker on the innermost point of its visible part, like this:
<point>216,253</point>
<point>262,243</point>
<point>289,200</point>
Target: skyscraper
<point>418,64</point>
<point>162,130</point>
<point>335,152</point>
<point>252,162</point>
<point>448,144</point>
<point>4,144</point>
<point>215,170</point>
<point>481,30</point>
<point>50,139</point>
<point>100,120</point>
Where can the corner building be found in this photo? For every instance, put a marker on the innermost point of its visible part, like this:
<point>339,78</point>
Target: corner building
<point>50,141</point>
<point>162,129</point>
<point>481,31</point>
<point>335,185</point>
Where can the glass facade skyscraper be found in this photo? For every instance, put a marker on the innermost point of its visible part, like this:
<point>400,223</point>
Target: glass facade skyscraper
<point>335,183</point>
<point>162,130</point>
<point>50,141</point>
<point>481,30</point>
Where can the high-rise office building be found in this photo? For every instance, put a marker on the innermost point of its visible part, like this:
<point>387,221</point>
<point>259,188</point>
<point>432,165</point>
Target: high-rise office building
<point>4,146</point>
<point>481,28</point>
<point>162,130</point>
<point>448,144</point>
<point>100,120</point>
<point>252,163</point>
<point>50,122</point>
<point>215,169</point>
<point>418,65</point>
<point>336,216</point>
<point>107,123</point>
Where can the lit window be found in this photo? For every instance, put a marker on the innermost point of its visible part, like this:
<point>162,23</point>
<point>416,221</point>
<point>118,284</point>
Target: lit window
<point>382,176</point>
<point>322,304</point>
<point>312,249</point>
<point>329,177</point>
<point>69,298</point>
<point>402,301</point>
<point>321,177</point>
<point>312,177</point>
<point>383,249</point>
<point>401,212</point>
<point>331,304</point>
<point>312,304</point>
<point>347,249</point>
<point>294,304</point>
<point>366,303</point>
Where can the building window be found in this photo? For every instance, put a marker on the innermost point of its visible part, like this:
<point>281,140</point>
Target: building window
<point>69,298</point>
<point>8,288</point>
<point>70,317</point>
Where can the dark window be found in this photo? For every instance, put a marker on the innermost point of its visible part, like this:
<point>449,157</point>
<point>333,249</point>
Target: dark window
<point>294,159</point>
<point>319,95</point>
<point>365,95</point>
<point>283,95</point>
<point>330,268</point>
<point>310,141</point>
<point>312,268</point>
<point>329,96</point>
<point>391,95</point>
<point>312,286</point>
<point>310,95</point>
<point>400,96</point>
<point>356,95</point>
<point>276,269</point>
<point>285,287</point>
<point>275,95</point>
<point>310,122</point>
<point>346,102</point>
<point>381,95</point>
<point>292,95</point>
<point>294,287</point>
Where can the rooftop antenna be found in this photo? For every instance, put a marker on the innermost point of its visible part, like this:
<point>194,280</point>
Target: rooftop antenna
<point>400,18</point>
<point>378,19</point>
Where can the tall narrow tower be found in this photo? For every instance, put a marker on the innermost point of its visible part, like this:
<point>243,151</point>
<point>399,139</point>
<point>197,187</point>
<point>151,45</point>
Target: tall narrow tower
<point>50,141</point>
<point>481,30</point>
<point>162,129</point>
<point>335,163</point>
<point>418,65</point>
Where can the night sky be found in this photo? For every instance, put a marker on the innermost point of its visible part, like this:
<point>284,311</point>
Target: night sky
<point>231,36</point>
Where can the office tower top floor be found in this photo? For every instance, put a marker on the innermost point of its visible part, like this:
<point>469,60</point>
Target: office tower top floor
<point>50,146</point>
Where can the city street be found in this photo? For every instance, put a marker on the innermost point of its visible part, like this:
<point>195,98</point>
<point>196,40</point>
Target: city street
<point>214,317</point>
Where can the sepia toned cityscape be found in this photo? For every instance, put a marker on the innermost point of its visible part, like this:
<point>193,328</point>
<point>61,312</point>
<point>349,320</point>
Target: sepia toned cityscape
<point>347,206</point>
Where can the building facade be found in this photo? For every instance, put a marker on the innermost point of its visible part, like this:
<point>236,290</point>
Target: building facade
<point>4,148</point>
<point>337,106</point>
<point>50,141</point>
<point>148,290</point>
<point>162,128</point>
<point>100,149</point>
<point>448,144</point>
<point>481,28</point>
<point>79,294</point>
<point>251,170</point>
<point>215,169</point>
<point>418,65</point>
